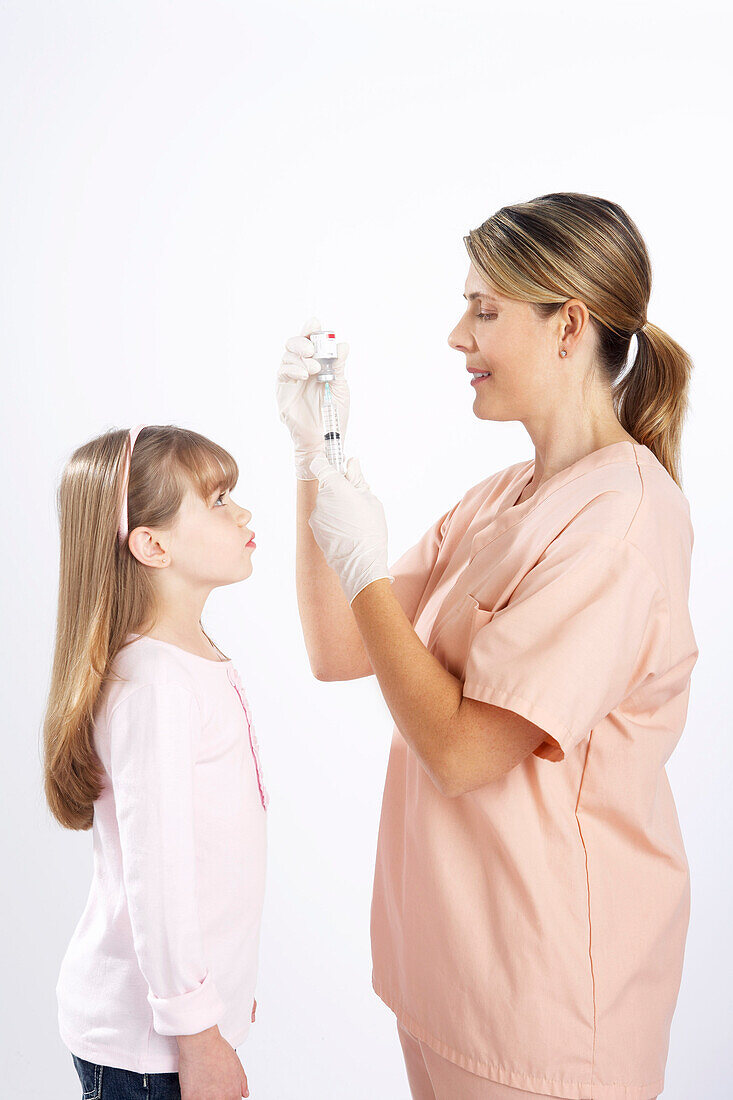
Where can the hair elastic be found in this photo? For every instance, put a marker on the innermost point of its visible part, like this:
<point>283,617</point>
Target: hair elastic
<point>122,531</point>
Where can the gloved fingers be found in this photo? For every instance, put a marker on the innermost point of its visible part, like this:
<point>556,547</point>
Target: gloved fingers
<point>311,325</point>
<point>304,359</point>
<point>296,366</point>
<point>300,345</point>
<point>291,369</point>
<point>321,468</point>
<point>354,474</point>
<point>291,359</point>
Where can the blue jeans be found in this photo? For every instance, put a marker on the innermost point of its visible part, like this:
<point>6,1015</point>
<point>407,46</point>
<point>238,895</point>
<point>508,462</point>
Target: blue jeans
<point>108,1083</point>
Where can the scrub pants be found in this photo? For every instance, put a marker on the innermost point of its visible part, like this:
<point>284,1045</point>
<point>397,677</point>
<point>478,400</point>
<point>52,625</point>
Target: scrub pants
<point>434,1078</point>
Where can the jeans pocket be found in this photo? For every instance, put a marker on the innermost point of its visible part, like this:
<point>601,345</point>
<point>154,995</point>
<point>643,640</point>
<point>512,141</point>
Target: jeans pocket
<point>90,1076</point>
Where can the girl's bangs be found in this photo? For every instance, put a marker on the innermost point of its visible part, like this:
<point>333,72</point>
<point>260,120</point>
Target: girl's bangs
<point>208,465</point>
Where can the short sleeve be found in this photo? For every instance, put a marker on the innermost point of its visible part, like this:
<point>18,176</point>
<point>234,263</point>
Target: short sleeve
<point>152,739</point>
<point>412,571</point>
<point>580,632</point>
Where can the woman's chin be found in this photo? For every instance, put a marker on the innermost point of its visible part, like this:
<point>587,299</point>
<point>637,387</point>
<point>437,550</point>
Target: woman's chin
<point>483,411</point>
<point>481,407</point>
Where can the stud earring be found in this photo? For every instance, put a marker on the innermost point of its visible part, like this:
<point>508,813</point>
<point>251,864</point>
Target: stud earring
<point>563,353</point>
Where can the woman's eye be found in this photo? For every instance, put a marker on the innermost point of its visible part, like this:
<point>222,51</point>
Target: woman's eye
<point>484,316</point>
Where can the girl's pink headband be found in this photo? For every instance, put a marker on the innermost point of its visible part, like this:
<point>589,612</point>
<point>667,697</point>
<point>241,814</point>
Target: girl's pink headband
<point>122,532</point>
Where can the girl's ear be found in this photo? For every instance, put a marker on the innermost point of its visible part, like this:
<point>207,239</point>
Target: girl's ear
<point>147,548</point>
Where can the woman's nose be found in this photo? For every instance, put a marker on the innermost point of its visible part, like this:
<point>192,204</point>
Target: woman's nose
<point>454,339</point>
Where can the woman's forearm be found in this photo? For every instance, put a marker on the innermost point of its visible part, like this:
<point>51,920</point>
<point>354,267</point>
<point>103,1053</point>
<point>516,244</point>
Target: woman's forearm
<point>462,743</point>
<point>332,639</point>
<point>422,696</point>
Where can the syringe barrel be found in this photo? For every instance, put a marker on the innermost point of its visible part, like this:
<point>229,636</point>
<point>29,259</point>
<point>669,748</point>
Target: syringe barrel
<point>331,430</point>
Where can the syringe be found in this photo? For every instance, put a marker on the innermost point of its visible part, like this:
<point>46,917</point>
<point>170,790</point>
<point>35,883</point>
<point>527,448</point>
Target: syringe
<point>326,354</point>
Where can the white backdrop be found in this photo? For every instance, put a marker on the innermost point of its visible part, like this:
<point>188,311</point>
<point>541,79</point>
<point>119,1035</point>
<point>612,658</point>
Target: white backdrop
<point>184,184</point>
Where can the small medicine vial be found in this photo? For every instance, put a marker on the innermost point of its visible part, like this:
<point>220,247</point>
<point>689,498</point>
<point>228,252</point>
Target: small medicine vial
<point>326,350</point>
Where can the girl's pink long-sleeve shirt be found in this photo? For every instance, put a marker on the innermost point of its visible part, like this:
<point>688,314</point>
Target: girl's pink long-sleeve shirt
<point>168,941</point>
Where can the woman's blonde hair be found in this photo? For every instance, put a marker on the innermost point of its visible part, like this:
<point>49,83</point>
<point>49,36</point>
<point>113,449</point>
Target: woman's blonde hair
<point>105,593</point>
<point>568,245</point>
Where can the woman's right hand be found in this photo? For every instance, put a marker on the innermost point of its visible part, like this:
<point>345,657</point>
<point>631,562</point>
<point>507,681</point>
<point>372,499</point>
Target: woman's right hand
<point>208,1067</point>
<point>299,393</point>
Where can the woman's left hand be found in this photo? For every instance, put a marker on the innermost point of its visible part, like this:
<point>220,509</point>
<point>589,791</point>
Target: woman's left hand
<point>348,524</point>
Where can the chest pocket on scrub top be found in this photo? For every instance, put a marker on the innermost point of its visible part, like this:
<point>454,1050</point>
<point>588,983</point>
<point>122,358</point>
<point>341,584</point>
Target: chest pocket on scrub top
<point>454,632</point>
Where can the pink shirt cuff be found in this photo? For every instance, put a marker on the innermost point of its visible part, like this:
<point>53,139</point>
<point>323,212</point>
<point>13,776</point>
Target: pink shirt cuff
<point>187,1013</point>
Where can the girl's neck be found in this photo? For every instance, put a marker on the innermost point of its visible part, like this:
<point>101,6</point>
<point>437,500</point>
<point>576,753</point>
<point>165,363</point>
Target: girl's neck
<point>193,639</point>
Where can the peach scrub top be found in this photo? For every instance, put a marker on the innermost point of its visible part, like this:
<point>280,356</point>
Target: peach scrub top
<point>532,931</point>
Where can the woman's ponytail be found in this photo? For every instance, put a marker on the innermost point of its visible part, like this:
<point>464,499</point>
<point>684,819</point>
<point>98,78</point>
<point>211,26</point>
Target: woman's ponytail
<point>651,398</point>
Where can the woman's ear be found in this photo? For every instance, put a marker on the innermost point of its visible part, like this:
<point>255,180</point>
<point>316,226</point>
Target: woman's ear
<point>574,320</point>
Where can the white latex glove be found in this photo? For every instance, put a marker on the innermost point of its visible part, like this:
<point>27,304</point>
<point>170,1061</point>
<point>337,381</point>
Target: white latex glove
<point>349,526</point>
<point>299,393</point>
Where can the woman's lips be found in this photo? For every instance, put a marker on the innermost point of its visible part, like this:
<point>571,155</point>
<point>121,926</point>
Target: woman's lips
<point>476,379</point>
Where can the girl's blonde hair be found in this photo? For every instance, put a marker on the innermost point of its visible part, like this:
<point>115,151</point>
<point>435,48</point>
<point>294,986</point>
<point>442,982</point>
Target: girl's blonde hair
<point>569,245</point>
<point>104,591</point>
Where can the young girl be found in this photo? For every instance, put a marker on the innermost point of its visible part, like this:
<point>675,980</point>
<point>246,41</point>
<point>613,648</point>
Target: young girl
<point>149,741</point>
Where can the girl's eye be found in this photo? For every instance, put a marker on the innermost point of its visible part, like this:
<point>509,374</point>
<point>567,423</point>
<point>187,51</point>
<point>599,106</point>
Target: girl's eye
<point>220,496</point>
<point>484,316</point>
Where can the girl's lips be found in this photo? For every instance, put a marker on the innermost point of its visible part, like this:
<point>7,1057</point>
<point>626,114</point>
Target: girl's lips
<point>252,542</point>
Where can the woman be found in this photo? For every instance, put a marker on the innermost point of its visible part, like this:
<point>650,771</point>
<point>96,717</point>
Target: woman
<point>531,893</point>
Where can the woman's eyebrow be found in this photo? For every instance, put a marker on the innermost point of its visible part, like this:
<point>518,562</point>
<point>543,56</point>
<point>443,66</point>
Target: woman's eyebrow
<point>479,294</point>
